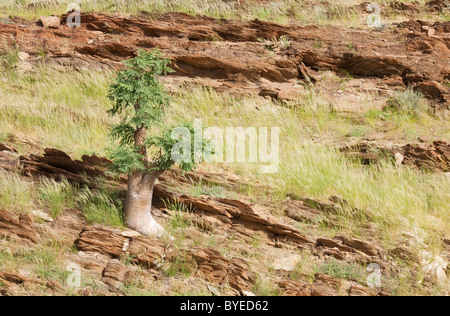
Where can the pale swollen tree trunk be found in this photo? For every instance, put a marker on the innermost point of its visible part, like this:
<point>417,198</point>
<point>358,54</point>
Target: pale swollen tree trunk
<point>138,205</point>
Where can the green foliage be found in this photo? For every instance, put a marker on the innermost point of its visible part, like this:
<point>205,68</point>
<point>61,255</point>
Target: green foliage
<point>127,259</point>
<point>165,143</point>
<point>44,261</point>
<point>140,98</point>
<point>138,93</point>
<point>126,159</point>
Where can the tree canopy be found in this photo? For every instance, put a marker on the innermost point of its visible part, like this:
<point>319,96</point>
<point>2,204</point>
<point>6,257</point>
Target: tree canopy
<point>141,100</point>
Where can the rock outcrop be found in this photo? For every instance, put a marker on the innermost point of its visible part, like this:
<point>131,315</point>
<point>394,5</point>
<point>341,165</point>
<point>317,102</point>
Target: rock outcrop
<point>205,262</point>
<point>232,214</point>
<point>17,227</point>
<point>432,157</point>
<point>243,57</point>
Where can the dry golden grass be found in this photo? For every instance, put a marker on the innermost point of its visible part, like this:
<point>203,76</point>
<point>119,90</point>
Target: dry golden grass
<point>340,12</point>
<point>67,110</point>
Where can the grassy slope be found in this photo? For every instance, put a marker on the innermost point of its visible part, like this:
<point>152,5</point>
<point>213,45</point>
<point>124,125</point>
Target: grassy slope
<point>281,11</point>
<point>66,109</point>
<point>69,113</point>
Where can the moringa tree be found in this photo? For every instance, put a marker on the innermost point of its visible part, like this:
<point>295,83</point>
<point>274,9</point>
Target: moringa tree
<point>141,100</point>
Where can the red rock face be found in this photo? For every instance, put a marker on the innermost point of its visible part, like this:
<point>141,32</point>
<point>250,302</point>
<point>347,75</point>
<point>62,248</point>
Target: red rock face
<point>17,227</point>
<point>235,56</point>
<point>433,157</point>
<point>207,263</point>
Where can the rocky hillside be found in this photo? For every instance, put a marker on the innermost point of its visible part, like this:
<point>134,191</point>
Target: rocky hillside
<point>119,257</point>
<point>256,56</point>
<point>359,207</point>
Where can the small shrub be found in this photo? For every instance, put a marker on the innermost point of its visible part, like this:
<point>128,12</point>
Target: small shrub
<point>408,103</point>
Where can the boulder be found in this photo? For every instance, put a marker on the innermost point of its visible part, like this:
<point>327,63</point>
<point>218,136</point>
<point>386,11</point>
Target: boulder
<point>50,21</point>
<point>23,56</point>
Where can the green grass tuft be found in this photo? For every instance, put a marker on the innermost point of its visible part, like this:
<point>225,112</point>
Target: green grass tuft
<point>408,103</point>
<point>15,193</point>
<point>100,208</point>
<point>57,196</point>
